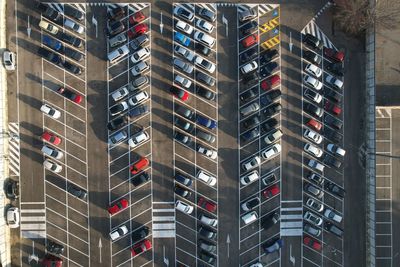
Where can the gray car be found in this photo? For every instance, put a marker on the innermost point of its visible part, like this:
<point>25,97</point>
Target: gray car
<point>249,109</point>
<point>311,230</point>
<point>205,78</point>
<point>205,136</point>
<point>207,246</point>
<point>140,81</point>
<point>183,66</point>
<point>139,41</point>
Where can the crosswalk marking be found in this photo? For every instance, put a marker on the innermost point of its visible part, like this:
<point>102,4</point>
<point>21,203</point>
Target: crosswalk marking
<point>163,220</point>
<point>33,222</point>
<point>291,219</point>
<point>271,42</point>
<point>383,113</point>
<point>313,29</point>
<point>14,149</point>
<point>265,8</point>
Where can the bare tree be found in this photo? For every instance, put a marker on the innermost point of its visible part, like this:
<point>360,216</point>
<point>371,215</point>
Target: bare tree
<point>355,16</point>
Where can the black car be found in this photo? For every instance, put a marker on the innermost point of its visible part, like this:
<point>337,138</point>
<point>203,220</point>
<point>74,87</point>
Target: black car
<point>269,125</point>
<point>204,256</point>
<point>272,109</point>
<point>207,246</point>
<point>207,14</point>
<point>116,13</point>
<point>207,233</point>
<point>113,28</point>
<point>335,68</point>
<point>183,179</point>
<point>72,67</point>
<point>251,122</point>
<point>41,7</point>
<point>52,14</point>
<point>268,68</point>
<point>270,220</point>
<point>330,227</point>
<point>202,49</point>
<point>333,122</point>
<point>77,192</point>
<point>183,138</point>
<point>332,95</point>
<point>250,135</point>
<point>140,234</point>
<point>140,179</point>
<point>248,27</point>
<point>248,55</point>
<point>203,92</point>
<point>331,161</point>
<point>268,55</point>
<point>54,248</point>
<point>179,190</point>
<point>12,189</point>
<point>183,124</point>
<point>251,203</point>
<point>316,178</point>
<point>249,95</point>
<point>334,189</point>
<point>73,12</point>
<point>269,179</point>
<point>72,40</point>
<point>117,123</point>
<point>185,112</point>
<point>139,110</point>
<point>312,41</point>
<point>251,77</point>
<point>50,56</point>
<point>312,57</point>
<point>313,110</point>
<point>72,53</point>
<point>270,97</point>
<point>332,135</point>
<point>205,78</point>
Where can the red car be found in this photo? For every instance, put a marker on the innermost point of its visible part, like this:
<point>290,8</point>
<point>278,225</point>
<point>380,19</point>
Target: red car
<point>270,82</point>
<point>117,207</point>
<point>311,242</point>
<point>337,56</point>
<point>329,106</point>
<point>314,124</point>
<point>141,247</point>
<point>179,93</point>
<point>138,30</point>
<point>271,191</point>
<point>70,95</point>
<point>51,261</point>
<point>136,18</point>
<point>250,40</point>
<point>208,205</point>
<point>51,138</point>
<point>139,165</point>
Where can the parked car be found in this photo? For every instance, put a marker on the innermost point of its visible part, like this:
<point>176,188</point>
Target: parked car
<point>332,135</point>
<point>272,109</point>
<point>330,214</point>
<point>334,189</point>
<point>67,93</point>
<point>9,60</point>
<point>205,219</point>
<point>202,49</point>
<point>70,39</point>
<point>312,41</point>
<point>182,81</point>
<point>251,163</point>
<point>313,136</point>
<point>206,257</point>
<point>207,233</point>
<point>269,125</point>
<point>139,41</point>
<point>335,68</point>
<point>249,217</point>
<point>136,18</point>
<point>313,164</point>
<point>139,165</point>
<point>205,136</point>
<point>312,57</point>
<point>250,177</point>
<point>184,52</point>
<point>140,179</point>
<point>268,69</point>
<point>73,26</point>
<point>138,97</point>
<point>12,217</point>
<point>183,66</point>
<point>182,39</point>
<point>336,150</point>
<point>205,93</point>
<point>334,82</point>
<point>77,192</point>
<point>54,248</point>
<point>206,204</point>
<point>204,39</point>
<point>184,27</point>
<point>312,243</point>
<point>270,97</point>
<point>206,178</point>
<point>139,68</point>
<point>141,247</point>
<point>249,109</point>
<point>273,136</point>
<point>333,122</point>
<point>270,220</point>
<point>315,97</point>
<point>312,218</point>
<point>117,40</point>
<point>316,178</point>
<point>204,25</point>
<point>248,95</point>
<point>178,92</point>
<point>204,64</point>
<point>50,111</point>
<point>314,191</point>
<point>206,122</point>
<point>52,166</point>
<point>313,124</point>
<point>207,14</point>
<point>73,12</point>
<point>206,246</point>
<point>269,179</point>
<point>315,205</point>
<point>271,152</point>
<point>313,70</point>
<point>249,67</point>
<point>52,152</point>
<point>273,245</point>
<point>140,55</point>
<point>138,138</point>
<point>11,189</point>
<point>336,56</point>
<point>330,227</point>
<point>312,82</point>
<point>115,13</point>
<point>250,40</point>
<point>333,108</point>
<point>332,95</point>
<point>119,108</point>
<point>248,55</point>
<point>44,25</point>
<point>313,150</point>
<point>312,230</point>
<point>183,138</point>
<point>51,138</point>
<point>270,82</point>
<point>138,30</point>
<point>250,204</point>
<point>183,13</point>
<point>119,232</point>
<point>71,67</point>
<point>250,78</point>
<point>268,55</point>
<point>50,56</point>
<point>250,135</point>
<point>183,192</point>
<point>114,28</point>
<point>118,137</point>
<point>247,14</point>
<point>205,78</point>
<point>206,151</point>
<point>271,191</point>
<point>183,124</point>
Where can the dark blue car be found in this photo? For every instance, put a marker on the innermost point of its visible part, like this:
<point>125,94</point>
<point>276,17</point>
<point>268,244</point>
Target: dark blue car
<point>52,43</point>
<point>206,122</point>
<point>182,39</point>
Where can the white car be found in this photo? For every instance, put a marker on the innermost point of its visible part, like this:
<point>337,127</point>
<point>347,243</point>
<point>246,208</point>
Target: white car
<point>44,25</point>
<point>330,214</point>
<point>73,26</point>
<point>271,151</point>
<point>138,97</point>
<point>183,207</point>
<point>119,108</point>
<point>140,55</point>
<point>316,165</point>
<point>275,135</point>
<point>120,94</point>
<point>313,219</point>
<point>118,53</point>
<point>207,152</point>
<point>184,27</point>
<point>315,205</point>
<point>184,52</point>
<point>313,70</point>
<point>120,232</point>
<point>313,150</point>
<point>208,221</point>
<point>204,64</point>
<point>138,138</point>
<point>204,25</point>
<point>117,137</point>
<point>140,67</point>
<point>311,81</point>
<point>247,14</point>
<point>334,82</point>
<point>182,81</point>
<point>13,217</point>
<point>204,38</point>
<point>52,166</point>
<point>206,178</point>
<point>249,178</point>
<point>50,111</point>
<point>337,150</point>
<point>251,163</point>
<point>315,97</point>
<point>249,67</point>
<point>250,217</point>
<point>313,136</point>
<point>51,152</point>
<point>9,60</point>
<point>258,264</point>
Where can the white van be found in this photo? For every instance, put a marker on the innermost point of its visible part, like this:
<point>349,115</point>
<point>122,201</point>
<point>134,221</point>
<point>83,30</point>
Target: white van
<point>250,217</point>
<point>117,54</point>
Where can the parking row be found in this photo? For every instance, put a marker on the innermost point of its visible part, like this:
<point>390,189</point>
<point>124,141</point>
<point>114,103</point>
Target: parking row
<point>195,117</point>
<point>260,133</point>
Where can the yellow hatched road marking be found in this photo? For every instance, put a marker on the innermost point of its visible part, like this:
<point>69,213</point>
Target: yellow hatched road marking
<point>269,25</point>
<point>271,42</point>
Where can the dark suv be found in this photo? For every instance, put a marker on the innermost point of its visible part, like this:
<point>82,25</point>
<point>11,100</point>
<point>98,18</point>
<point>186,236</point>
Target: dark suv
<point>312,41</point>
<point>334,189</point>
